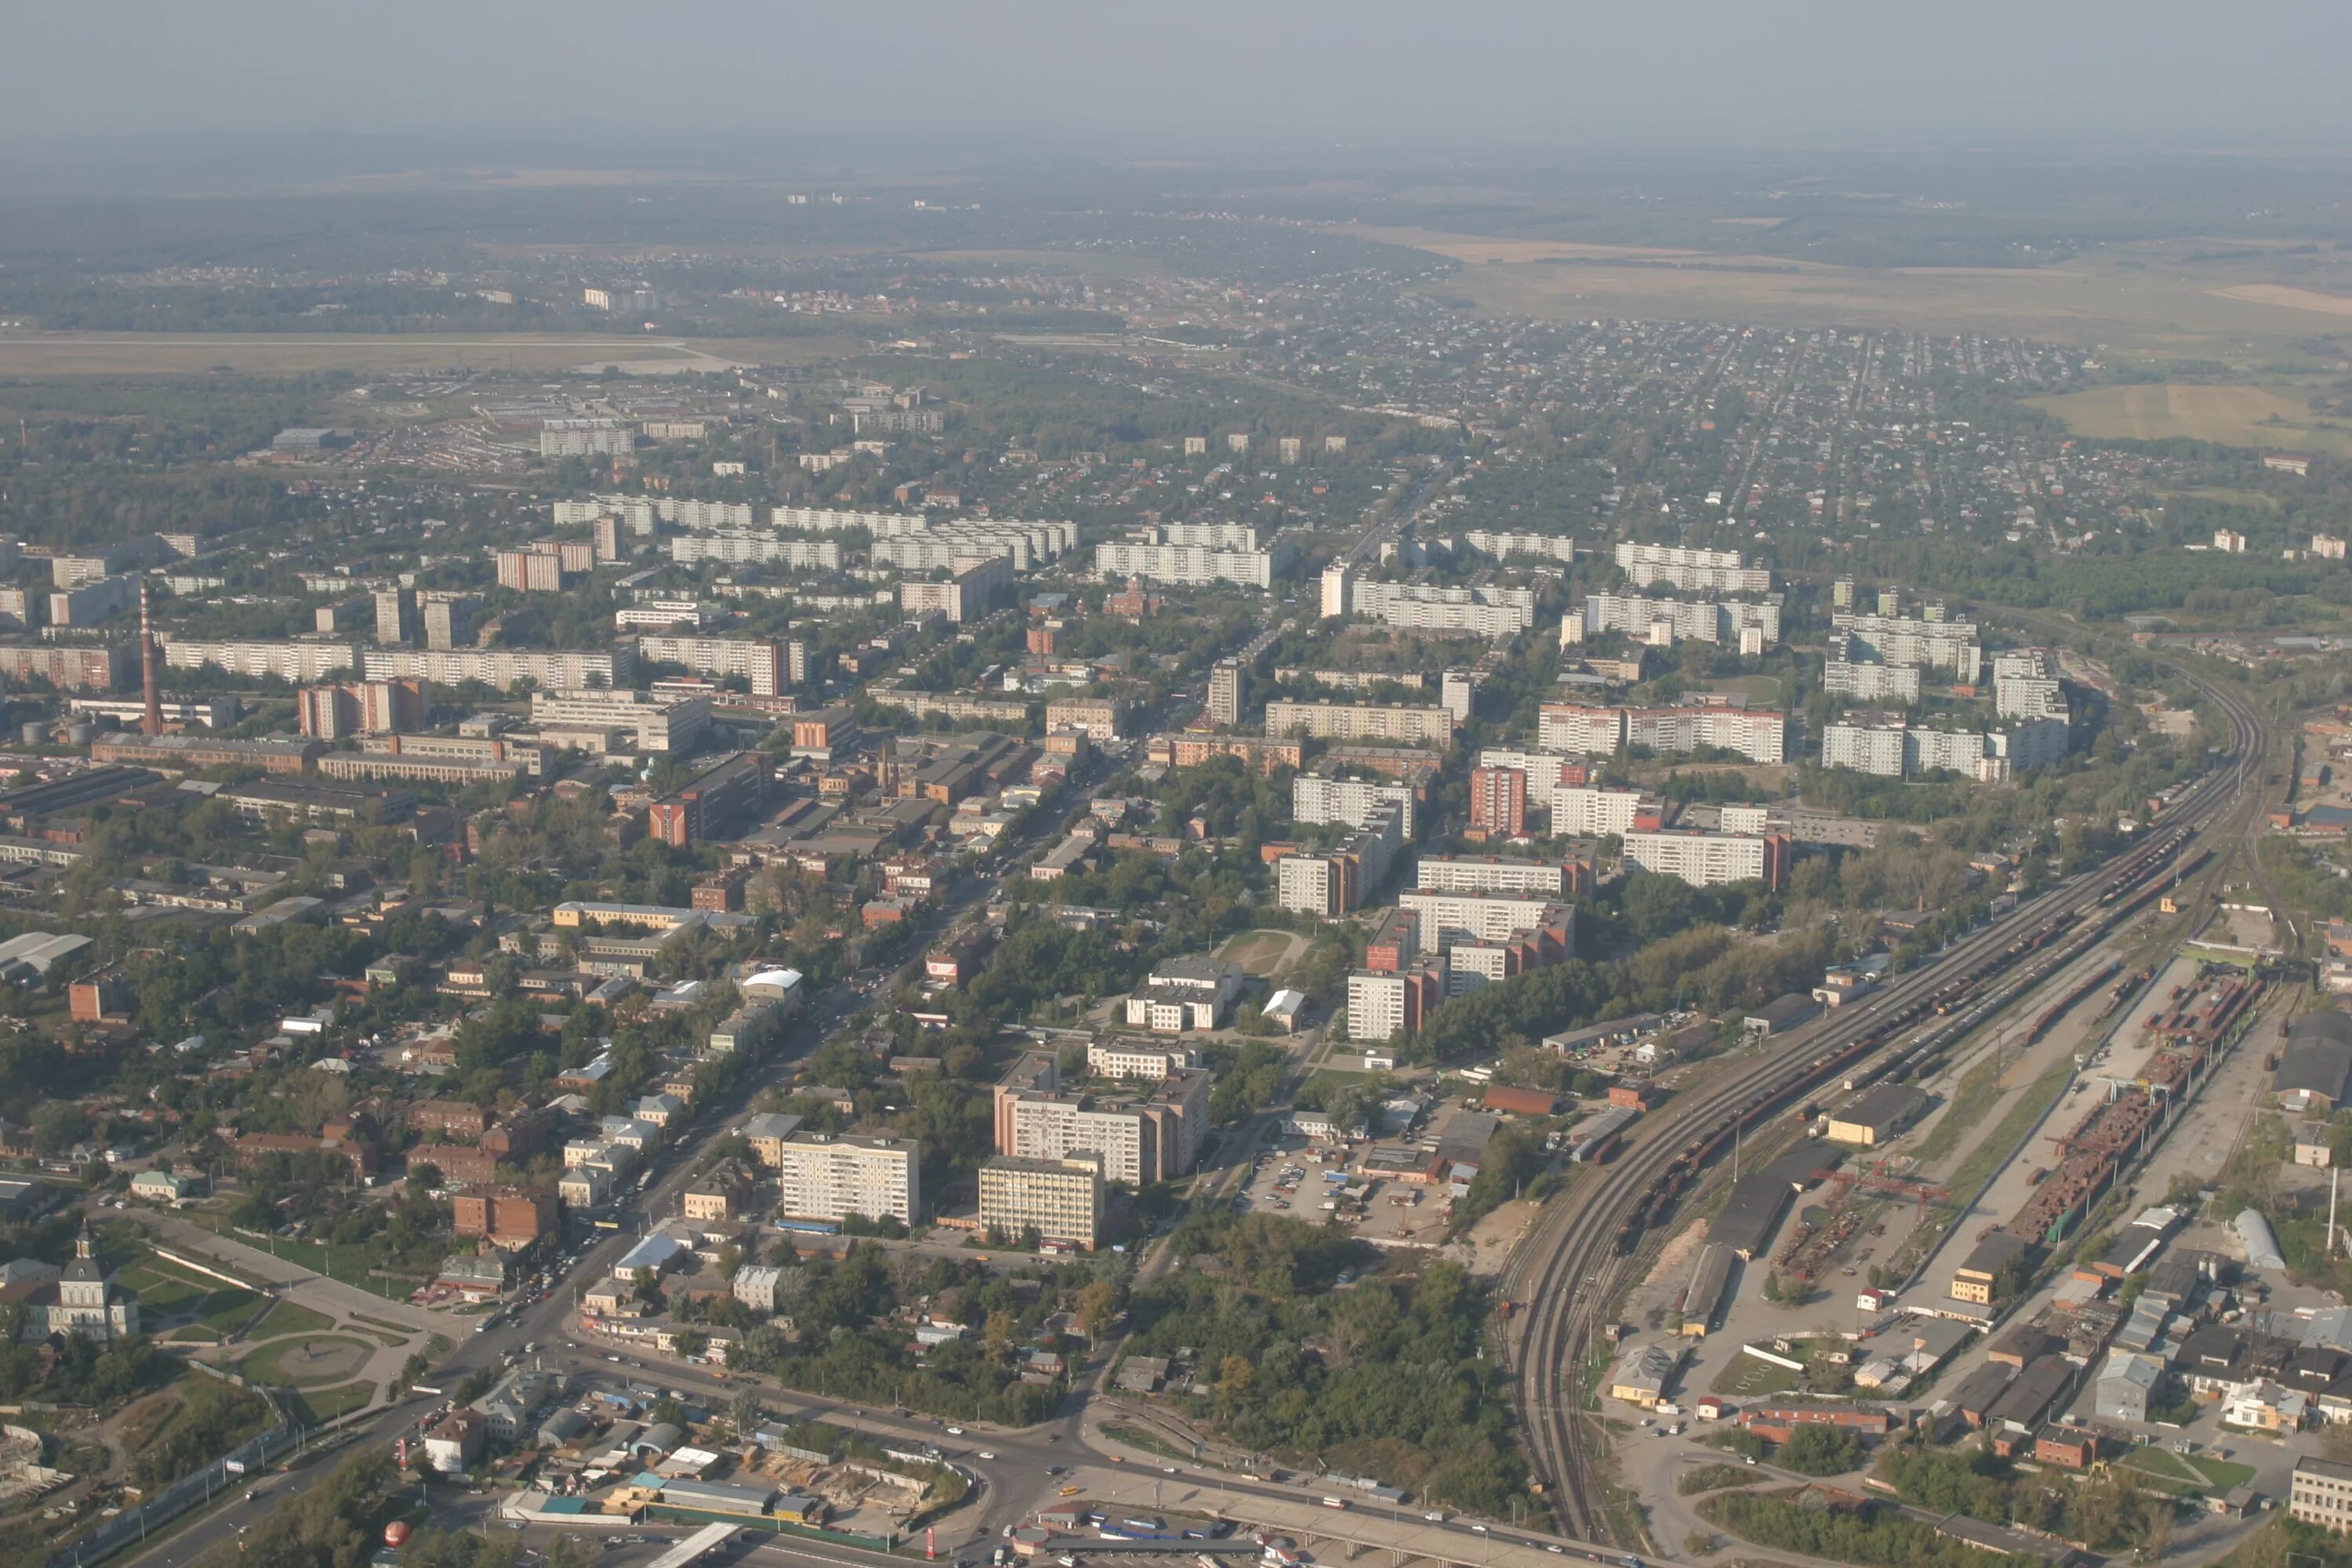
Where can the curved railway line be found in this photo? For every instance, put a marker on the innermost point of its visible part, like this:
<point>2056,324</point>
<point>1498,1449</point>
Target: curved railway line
<point>1585,1248</point>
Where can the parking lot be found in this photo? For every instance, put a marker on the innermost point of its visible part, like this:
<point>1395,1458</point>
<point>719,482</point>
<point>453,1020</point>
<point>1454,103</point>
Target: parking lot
<point>1313,1183</point>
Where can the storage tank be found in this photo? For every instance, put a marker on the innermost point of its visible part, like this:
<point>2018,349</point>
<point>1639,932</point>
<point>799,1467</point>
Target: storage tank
<point>2254,1233</point>
<point>33,732</point>
<point>78,733</point>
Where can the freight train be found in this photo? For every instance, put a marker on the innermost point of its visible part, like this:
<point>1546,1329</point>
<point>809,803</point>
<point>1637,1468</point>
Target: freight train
<point>2120,895</point>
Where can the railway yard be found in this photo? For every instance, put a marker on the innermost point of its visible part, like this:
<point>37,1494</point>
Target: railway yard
<point>2052,1050</point>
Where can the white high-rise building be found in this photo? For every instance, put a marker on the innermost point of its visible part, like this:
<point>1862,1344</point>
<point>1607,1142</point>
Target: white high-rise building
<point>1870,682</point>
<point>1316,800</point>
<point>1866,744</point>
<point>1579,731</point>
<point>1490,612</point>
<point>765,549</point>
<point>1338,589</point>
<point>1487,917</point>
<point>1675,620</point>
<point>502,666</point>
<point>1708,859</point>
<point>301,663</point>
<point>1545,546</point>
<point>1952,645</point>
<point>831,1178</point>
<point>1490,874</point>
<point>1589,813</point>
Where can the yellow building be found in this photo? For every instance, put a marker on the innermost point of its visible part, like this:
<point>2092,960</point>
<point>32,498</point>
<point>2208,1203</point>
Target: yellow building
<point>1062,1199</point>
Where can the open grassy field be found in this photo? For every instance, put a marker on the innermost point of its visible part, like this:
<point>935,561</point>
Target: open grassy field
<point>1761,690</point>
<point>2199,1471</point>
<point>293,1318</point>
<point>312,1360</point>
<point>2272,416</point>
<point>2151,302</point>
<point>138,354</point>
<point>313,1406</point>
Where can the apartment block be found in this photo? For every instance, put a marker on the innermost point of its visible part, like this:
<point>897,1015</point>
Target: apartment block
<point>531,571</point>
<point>549,668</point>
<point>1061,1200</point>
<point>1579,731</point>
<point>1752,626</point>
<point>1866,742</point>
<point>298,663</point>
<point>1693,571</point>
<point>1544,771</point>
<point>1323,884</point>
<point>71,571</point>
<point>1758,736</point>
<point>756,550</point>
<point>1410,726</point>
<point>717,803</point>
<point>1687,568</point>
<point>68,668</point>
<point>976,587</point>
<point>825,1177</point>
<point>1487,611</point>
<point>1023,545</point>
<point>92,604</point>
<point>1949,646</point>
<point>1708,859</point>
<point>1213,535</point>
<point>1589,813</point>
<point>448,620</point>
<point>1384,1004</point>
<point>1492,874</point>
<point>1503,545</point>
<point>1395,941</point>
<point>1152,1137</point>
<point>760,660</point>
<point>1446,916</point>
<point>395,615</point>
<point>1870,682</point>
<point>1225,693</point>
<point>363,708</point>
<point>1316,800</point>
<point>1499,804</point>
<point>1191,565</point>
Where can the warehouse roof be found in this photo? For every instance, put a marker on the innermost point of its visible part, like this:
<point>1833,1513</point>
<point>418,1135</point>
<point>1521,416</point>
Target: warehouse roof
<point>1886,1108</point>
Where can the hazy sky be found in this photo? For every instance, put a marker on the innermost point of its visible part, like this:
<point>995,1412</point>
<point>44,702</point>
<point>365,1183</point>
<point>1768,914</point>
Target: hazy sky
<point>1108,77</point>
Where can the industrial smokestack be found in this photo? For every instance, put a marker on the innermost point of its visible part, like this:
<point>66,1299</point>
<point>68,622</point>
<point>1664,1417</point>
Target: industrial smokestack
<point>151,723</point>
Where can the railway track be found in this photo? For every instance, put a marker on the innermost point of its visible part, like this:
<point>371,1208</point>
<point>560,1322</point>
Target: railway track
<point>1586,1249</point>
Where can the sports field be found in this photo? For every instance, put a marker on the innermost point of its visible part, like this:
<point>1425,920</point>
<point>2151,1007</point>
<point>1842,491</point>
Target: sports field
<point>1259,952</point>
